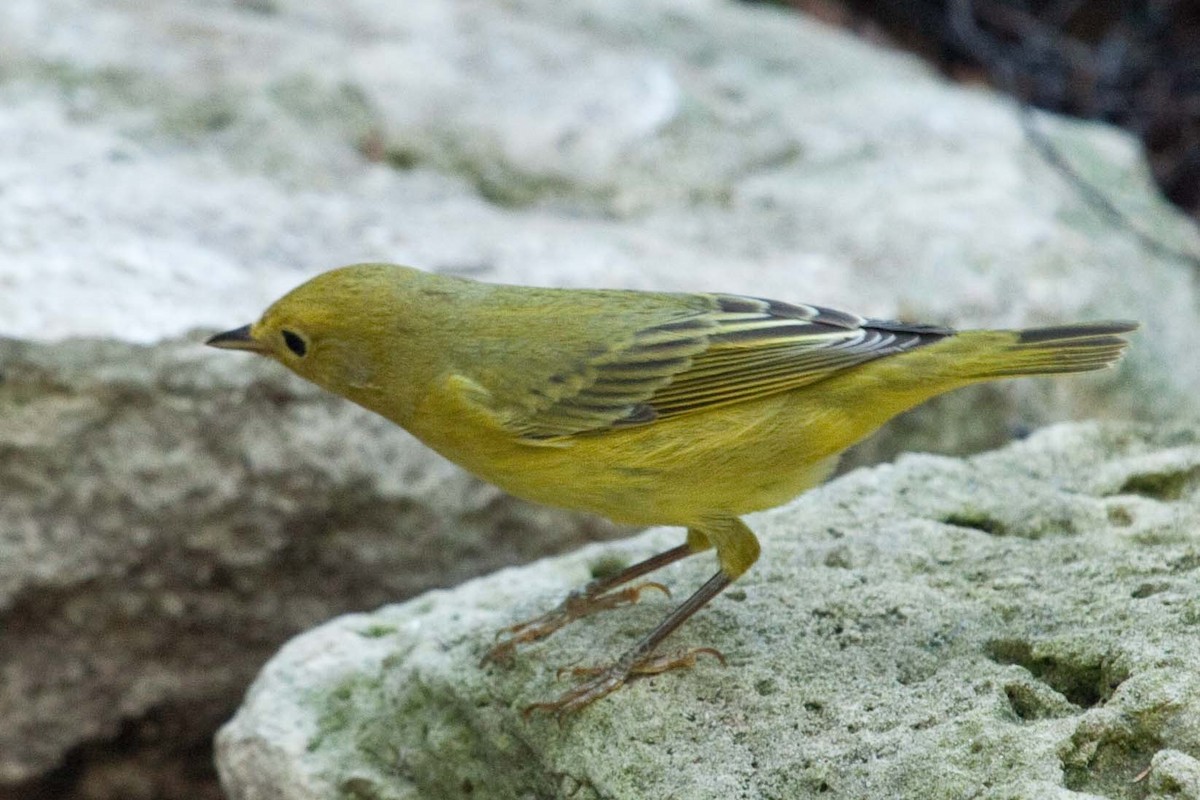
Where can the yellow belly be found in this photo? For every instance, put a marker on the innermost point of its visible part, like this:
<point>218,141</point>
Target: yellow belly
<point>720,462</point>
<point>723,462</point>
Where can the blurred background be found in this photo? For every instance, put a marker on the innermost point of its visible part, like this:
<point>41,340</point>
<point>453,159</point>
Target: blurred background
<point>169,516</point>
<point>1132,64</point>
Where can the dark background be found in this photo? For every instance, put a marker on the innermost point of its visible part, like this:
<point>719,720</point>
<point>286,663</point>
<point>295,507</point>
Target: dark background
<point>1132,64</point>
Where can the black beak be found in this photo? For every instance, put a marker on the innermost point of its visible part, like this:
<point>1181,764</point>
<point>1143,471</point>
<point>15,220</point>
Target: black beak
<point>236,339</point>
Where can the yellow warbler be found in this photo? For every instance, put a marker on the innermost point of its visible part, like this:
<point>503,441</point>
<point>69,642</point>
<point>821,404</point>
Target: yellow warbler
<point>647,408</point>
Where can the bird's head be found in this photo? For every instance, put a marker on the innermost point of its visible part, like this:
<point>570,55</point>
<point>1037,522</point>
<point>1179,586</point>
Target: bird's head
<point>346,330</point>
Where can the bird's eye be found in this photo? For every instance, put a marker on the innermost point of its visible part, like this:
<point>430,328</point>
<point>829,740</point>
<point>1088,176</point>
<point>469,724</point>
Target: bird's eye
<point>295,342</point>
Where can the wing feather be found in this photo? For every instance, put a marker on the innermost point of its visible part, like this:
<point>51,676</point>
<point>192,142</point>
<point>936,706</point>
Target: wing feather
<point>738,349</point>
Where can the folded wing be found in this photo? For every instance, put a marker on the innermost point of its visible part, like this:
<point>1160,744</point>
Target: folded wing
<point>738,349</point>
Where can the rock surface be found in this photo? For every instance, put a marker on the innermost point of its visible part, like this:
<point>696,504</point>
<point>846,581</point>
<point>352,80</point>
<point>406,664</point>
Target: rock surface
<point>181,169</point>
<point>171,516</point>
<point>1019,624</point>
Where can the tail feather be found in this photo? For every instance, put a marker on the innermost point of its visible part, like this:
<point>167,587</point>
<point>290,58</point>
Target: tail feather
<point>1048,351</point>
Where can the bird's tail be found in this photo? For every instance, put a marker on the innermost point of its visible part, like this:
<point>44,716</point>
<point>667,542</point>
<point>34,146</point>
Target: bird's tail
<point>1081,347</point>
<point>953,359</point>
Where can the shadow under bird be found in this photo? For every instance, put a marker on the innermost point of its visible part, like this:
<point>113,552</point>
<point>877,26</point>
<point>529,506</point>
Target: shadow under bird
<point>647,408</point>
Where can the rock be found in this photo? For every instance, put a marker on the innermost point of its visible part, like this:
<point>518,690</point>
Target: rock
<point>678,144</point>
<point>170,516</point>
<point>1174,774</point>
<point>1016,624</point>
<point>168,171</point>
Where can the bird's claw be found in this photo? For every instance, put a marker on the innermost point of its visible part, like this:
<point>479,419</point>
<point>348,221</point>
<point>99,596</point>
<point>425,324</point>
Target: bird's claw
<point>655,665</point>
<point>603,681</point>
<point>578,604</point>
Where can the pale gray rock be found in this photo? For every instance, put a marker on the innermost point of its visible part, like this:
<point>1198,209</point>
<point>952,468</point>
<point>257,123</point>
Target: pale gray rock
<point>171,515</point>
<point>175,166</point>
<point>680,144</point>
<point>1019,624</point>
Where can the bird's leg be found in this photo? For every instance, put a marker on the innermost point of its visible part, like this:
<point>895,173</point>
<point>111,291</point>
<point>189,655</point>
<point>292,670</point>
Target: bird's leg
<point>590,599</point>
<point>737,549</point>
<point>639,660</point>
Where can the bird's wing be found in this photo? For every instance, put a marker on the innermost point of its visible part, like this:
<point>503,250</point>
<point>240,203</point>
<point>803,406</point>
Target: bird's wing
<point>739,349</point>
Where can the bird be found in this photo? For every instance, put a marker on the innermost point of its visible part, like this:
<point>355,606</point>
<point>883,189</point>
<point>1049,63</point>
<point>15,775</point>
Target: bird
<point>648,408</point>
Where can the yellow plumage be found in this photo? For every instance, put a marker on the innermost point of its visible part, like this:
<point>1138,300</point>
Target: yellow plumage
<point>647,408</point>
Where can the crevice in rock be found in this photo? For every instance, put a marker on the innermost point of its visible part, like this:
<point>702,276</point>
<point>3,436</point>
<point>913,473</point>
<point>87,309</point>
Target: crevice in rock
<point>976,520</point>
<point>1085,682</point>
<point>1164,486</point>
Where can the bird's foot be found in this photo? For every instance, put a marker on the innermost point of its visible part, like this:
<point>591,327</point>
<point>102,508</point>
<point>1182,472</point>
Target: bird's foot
<point>578,604</point>
<point>603,681</point>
